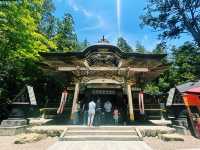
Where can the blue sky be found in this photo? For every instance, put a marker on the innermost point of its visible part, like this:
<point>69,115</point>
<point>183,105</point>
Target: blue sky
<point>95,18</point>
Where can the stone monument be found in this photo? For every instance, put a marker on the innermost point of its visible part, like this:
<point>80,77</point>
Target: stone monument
<point>17,122</point>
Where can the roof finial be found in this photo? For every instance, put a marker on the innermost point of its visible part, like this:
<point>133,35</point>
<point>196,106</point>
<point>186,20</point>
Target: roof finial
<point>103,40</point>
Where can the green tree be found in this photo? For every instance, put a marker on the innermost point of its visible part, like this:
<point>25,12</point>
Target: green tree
<point>85,43</point>
<point>160,48</point>
<point>66,38</point>
<point>123,45</point>
<point>48,22</point>
<point>139,48</point>
<point>19,30</point>
<point>20,43</point>
<point>173,17</point>
<point>185,64</point>
<point>152,88</point>
<point>82,45</point>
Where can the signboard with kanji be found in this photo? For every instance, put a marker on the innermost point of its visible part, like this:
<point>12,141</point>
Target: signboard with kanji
<point>31,95</point>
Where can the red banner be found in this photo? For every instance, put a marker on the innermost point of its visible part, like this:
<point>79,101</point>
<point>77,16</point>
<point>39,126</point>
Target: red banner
<point>191,100</point>
<point>62,102</point>
<point>141,102</point>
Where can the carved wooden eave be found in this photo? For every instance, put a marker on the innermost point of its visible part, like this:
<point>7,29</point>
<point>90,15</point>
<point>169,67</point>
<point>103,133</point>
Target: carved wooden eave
<point>103,59</point>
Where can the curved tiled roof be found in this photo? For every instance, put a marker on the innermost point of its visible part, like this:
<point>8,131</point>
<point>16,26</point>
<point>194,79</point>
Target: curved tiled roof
<point>98,46</point>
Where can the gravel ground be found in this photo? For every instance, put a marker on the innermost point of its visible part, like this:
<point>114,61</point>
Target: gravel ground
<point>7,143</point>
<point>188,143</point>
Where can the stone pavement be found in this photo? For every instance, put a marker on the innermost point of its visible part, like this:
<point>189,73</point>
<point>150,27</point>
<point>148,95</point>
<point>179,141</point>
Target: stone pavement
<point>100,138</point>
<point>99,145</point>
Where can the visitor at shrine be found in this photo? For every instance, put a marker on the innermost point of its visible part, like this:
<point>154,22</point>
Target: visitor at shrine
<point>123,111</point>
<point>78,112</point>
<point>76,115</point>
<point>116,116</point>
<point>98,119</point>
<point>198,127</point>
<point>84,112</point>
<point>108,108</point>
<point>91,113</point>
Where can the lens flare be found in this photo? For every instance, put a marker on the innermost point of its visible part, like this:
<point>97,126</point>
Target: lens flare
<point>119,17</point>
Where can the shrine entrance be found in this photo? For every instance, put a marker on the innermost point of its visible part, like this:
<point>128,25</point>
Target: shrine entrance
<point>102,94</point>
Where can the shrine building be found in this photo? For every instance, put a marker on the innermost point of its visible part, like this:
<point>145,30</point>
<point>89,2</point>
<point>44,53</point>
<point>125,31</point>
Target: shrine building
<point>104,71</point>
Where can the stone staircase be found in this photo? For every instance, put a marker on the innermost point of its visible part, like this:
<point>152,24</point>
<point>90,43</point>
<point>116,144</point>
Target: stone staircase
<point>101,133</point>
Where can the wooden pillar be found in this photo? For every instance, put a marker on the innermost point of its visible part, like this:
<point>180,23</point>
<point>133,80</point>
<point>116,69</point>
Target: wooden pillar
<point>74,104</point>
<point>130,102</point>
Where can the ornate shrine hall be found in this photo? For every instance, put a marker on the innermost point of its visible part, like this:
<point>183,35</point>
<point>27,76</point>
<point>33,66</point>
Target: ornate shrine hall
<point>104,71</point>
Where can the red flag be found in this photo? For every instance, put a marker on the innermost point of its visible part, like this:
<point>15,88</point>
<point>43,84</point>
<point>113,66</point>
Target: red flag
<point>62,102</point>
<point>141,102</point>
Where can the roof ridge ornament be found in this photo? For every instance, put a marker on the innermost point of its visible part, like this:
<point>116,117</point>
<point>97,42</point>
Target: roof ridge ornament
<point>103,40</point>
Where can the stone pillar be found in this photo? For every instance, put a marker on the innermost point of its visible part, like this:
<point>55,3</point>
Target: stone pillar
<point>74,104</point>
<point>130,102</point>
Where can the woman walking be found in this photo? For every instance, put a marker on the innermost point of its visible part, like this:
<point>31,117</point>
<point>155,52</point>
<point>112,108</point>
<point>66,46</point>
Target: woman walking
<point>91,112</point>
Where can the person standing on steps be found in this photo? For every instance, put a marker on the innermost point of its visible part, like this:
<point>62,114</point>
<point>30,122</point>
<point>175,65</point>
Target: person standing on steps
<point>91,112</point>
<point>98,113</point>
<point>84,113</point>
<point>76,119</point>
<point>116,116</point>
<point>108,114</point>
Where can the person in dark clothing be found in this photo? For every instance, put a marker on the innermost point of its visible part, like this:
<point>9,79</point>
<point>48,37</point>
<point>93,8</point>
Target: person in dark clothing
<point>98,119</point>
<point>124,112</point>
<point>108,112</point>
<point>84,111</point>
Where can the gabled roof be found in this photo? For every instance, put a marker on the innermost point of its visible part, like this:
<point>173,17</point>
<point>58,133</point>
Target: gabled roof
<point>107,55</point>
<point>194,90</point>
<point>187,86</point>
<point>183,88</point>
<point>99,46</point>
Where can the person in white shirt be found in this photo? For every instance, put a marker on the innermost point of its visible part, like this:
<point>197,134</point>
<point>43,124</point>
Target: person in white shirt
<point>91,112</point>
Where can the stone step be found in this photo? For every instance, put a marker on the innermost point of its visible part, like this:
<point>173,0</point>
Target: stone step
<point>100,138</point>
<point>101,132</point>
<point>130,128</point>
<point>10,122</point>
<point>10,131</point>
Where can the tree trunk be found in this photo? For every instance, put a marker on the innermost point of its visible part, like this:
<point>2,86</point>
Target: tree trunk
<point>189,27</point>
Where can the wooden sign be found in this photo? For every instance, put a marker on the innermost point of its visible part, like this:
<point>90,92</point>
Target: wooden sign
<point>170,97</point>
<point>31,95</point>
<point>105,92</point>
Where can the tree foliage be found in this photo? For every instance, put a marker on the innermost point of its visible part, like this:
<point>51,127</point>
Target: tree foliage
<point>186,63</point>
<point>173,17</point>
<point>160,48</point>
<point>27,28</point>
<point>139,48</point>
<point>123,45</point>
<point>185,66</point>
<point>82,45</point>
<point>48,22</point>
<point>20,43</point>
<point>19,30</point>
<point>66,38</point>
